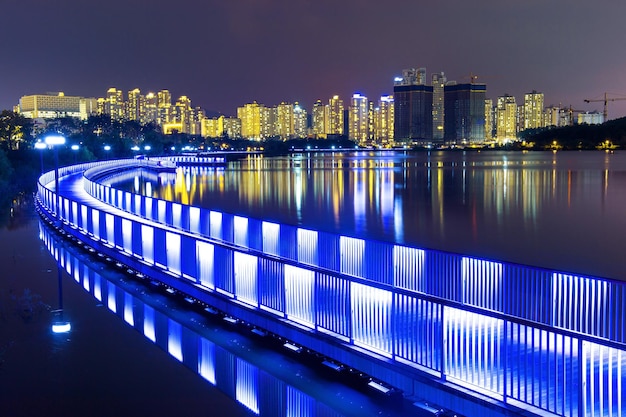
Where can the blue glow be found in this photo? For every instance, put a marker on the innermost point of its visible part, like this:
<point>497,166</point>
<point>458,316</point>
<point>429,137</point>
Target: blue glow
<point>205,256</point>
<point>215,221</point>
<point>246,277</point>
<point>246,385</point>
<point>128,309</point>
<point>300,295</point>
<point>206,360</point>
<point>61,327</point>
<point>270,237</point>
<point>148,323</point>
<point>111,303</point>
<point>53,140</point>
<point>241,230</point>
<point>174,335</point>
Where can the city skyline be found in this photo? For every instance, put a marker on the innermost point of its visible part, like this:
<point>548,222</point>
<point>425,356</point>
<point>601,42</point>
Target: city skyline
<point>226,54</point>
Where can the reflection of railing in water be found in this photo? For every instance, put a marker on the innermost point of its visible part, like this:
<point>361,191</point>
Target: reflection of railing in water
<point>507,331</point>
<point>252,384</point>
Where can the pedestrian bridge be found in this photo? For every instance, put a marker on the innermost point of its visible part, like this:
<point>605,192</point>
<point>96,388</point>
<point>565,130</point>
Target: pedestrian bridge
<point>462,331</point>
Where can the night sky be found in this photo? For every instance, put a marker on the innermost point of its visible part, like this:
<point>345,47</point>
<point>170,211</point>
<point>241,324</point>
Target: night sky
<point>225,53</point>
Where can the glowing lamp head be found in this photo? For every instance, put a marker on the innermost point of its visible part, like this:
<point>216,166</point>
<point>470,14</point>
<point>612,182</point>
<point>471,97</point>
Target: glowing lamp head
<point>107,148</point>
<point>147,147</point>
<point>135,148</point>
<point>40,145</point>
<point>75,147</point>
<point>61,327</point>
<point>53,140</point>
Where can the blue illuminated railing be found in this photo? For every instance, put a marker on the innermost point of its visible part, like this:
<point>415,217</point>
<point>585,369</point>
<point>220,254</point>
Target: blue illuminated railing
<point>522,335</point>
<point>533,294</point>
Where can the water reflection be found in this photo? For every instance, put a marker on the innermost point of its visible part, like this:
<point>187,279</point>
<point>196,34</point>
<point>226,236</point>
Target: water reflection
<point>261,380</point>
<point>557,210</point>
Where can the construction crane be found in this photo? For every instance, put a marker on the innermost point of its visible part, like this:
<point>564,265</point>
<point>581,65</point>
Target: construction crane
<point>570,114</point>
<point>606,102</point>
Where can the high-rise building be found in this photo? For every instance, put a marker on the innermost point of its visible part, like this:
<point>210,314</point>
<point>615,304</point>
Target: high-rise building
<point>231,126</point>
<point>136,106</point>
<point>164,103</point>
<point>506,119</point>
<point>151,113</point>
<point>299,121</point>
<point>335,116</point>
<point>114,104</point>
<point>438,83</point>
<point>269,119</point>
<point>383,120</point>
<point>319,120</point>
<point>558,116</point>
<point>533,110</point>
<point>250,116</point>
<point>489,119</point>
<point>285,122</point>
<point>359,119</point>
<point>210,128</point>
<point>180,117</point>
<point>413,108</point>
<point>464,107</point>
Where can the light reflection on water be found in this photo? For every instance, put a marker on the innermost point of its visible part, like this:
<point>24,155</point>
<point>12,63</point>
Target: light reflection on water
<point>558,210</point>
<point>262,380</point>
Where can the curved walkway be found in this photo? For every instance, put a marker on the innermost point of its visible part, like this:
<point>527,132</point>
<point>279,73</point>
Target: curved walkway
<point>406,316</point>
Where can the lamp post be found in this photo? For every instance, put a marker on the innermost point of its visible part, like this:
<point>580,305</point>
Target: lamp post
<point>75,148</point>
<point>59,324</point>
<point>55,141</point>
<point>41,146</point>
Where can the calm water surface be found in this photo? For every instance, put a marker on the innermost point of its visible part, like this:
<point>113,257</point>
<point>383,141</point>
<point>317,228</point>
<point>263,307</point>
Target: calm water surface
<point>563,210</point>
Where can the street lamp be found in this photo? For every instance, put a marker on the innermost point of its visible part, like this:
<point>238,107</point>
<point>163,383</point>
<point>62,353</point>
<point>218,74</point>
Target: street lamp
<point>55,141</point>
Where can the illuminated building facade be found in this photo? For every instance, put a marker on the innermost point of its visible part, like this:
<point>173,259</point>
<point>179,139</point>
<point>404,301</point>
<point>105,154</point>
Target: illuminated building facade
<point>359,119</point>
<point>285,121</point>
<point>151,113</point>
<point>590,118</point>
<point>136,106</point>
<point>113,104</point>
<point>211,128</point>
<point>533,110</point>
<point>52,106</point>
<point>383,120</point>
<point>489,118</point>
<point>164,103</point>
<point>335,116</point>
<point>506,119</point>
<point>299,121</point>
<point>438,83</point>
<point>319,120</point>
<point>524,338</point>
<point>250,116</point>
<point>231,126</point>
<point>465,113</point>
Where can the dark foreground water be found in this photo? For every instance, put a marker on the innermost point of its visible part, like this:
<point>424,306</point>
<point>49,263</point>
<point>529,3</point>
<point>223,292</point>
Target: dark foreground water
<point>105,367</point>
<point>563,210</point>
